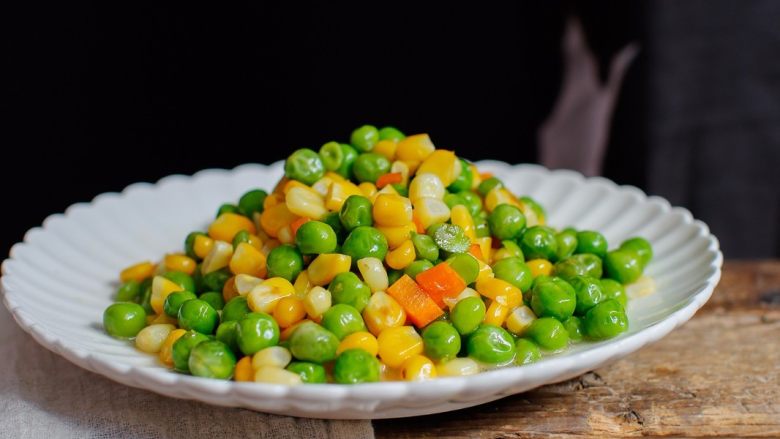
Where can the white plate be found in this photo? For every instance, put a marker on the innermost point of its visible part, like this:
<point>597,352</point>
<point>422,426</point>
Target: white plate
<point>60,279</point>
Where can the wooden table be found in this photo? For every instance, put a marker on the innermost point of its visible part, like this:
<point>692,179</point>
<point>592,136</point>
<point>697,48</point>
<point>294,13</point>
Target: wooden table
<point>718,375</point>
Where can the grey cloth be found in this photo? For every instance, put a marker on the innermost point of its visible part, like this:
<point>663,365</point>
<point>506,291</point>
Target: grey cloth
<point>43,395</point>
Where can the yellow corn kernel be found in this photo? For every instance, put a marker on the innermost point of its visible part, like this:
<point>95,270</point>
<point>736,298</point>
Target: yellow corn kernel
<point>229,290</point>
<point>286,235</point>
<point>338,194</point>
<point>426,185</point>
<point>368,189</point>
<point>389,373</point>
<point>374,274</point>
<point>273,356</point>
<point>179,262</point>
<point>275,217</point>
<point>496,314</point>
<point>266,296</point>
<point>387,190</point>
<point>325,267</point>
<point>392,210</point>
<point>218,257</point>
<point>499,195</point>
<point>317,301</point>
<point>460,216</point>
<point>418,368</point>
<point>322,186</point>
<point>161,319</point>
<point>151,338</point>
<point>414,149</point>
<point>484,270</point>
<point>397,235</point>
<point>278,285</point>
<point>383,312</point>
<point>359,340</point>
<point>399,343</point>
<point>431,210</point>
<point>402,256</point>
<point>500,291</point>
<point>275,375</point>
<point>245,283</point>
<point>244,371</point>
<point>401,168</point>
<point>137,272</point>
<point>202,245</point>
<point>386,148</point>
<point>442,163</point>
<point>162,288</point>
<point>476,179</point>
<point>290,184</point>
<point>519,319</point>
<point>457,367</point>
<point>335,176</point>
<point>539,267</point>
<point>255,241</point>
<point>485,246</point>
<point>272,200</point>
<point>166,351</point>
<point>306,202</point>
<point>248,260</point>
<point>225,227</point>
<point>302,284</point>
<point>467,292</point>
<point>289,311</point>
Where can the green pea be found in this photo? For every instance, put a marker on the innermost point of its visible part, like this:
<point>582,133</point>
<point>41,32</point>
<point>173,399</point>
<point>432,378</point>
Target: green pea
<point>465,265</point>
<point>315,237</point>
<point>641,247</point>
<point>623,265</point>
<point>424,247</point>
<point>146,296</point>
<point>228,208</point>
<point>417,267</point>
<point>573,326</point>
<point>215,281</point>
<point>491,344</point>
<point>309,372</point>
<point>198,315</point>
<point>449,237</point>
<point>585,264</point>
<point>464,179</point>
<point>182,348</point>
<point>342,319</point>
<point>548,333</point>
<point>212,359</point>
<point>189,244</point>
<point>197,278</point>
<point>240,238</point>
<point>355,366</point>
<point>394,275</point>
<point>213,298</point>
<point>538,242</point>
<point>332,219</point>
<point>589,241</point>
<point>312,342</point>
<point>514,271</point>
<point>368,167</point>
<point>605,320</point>
<point>227,332</point>
<point>488,185</point>
<point>527,352</point>
<point>391,133</point>
<point>452,200</point>
<point>304,165</point>
<point>365,242</point>
<point>567,243</point>
<point>554,298</point>
<point>481,228</point>
<point>174,301</point>
<point>348,289</point>
<point>252,202</point>
<point>124,319</point>
<point>589,293</point>
<point>235,309</point>
<point>506,221</point>
<point>401,189</point>
<point>332,155</point>
<point>128,291</point>
<point>472,201</point>
<point>614,290</point>
<point>441,341</point>
<point>535,207</point>
<point>510,248</point>
<point>467,315</point>
<point>284,261</point>
<point>364,138</point>
<point>256,331</point>
<point>356,212</point>
<point>181,279</point>
<point>350,155</point>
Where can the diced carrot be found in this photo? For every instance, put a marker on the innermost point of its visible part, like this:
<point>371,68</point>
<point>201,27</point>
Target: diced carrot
<point>295,225</point>
<point>418,224</point>
<point>485,175</point>
<point>419,307</point>
<point>476,251</point>
<point>441,281</point>
<point>389,178</point>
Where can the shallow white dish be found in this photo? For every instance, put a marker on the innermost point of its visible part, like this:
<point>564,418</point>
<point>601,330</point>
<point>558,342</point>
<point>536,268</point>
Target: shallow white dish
<point>60,279</point>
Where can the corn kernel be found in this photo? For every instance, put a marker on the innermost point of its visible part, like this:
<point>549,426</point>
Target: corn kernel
<point>399,343</point>
<point>402,256</point>
<point>368,189</point>
<point>500,291</point>
<point>245,283</point>
<point>467,292</point>
<point>414,149</point>
<point>383,312</point>
<point>430,211</point>
<point>279,285</point>
<point>322,186</point>
<point>476,178</point>
<point>302,284</point>
<point>218,257</point>
<point>229,290</point>
<point>179,262</point>
<point>325,267</point>
<point>386,148</point>
<point>457,367</point>
<point>275,375</point>
<point>461,217</point>
<point>401,168</point>
<point>317,301</point>
<point>202,246</point>
<point>255,241</point>
<point>151,338</point>
<point>387,190</point>
<point>161,319</point>
<point>485,247</point>
<point>389,373</point>
<point>273,356</point>
<point>244,371</point>
<point>161,289</point>
<point>397,235</point>
<point>374,274</point>
<point>166,351</point>
<point>338,194</point>
<point>484,270</point>
<point>539,267</point>
<point>289,311</point>
<point>272,200</point>
<point>275,217</point>
<point>248,260</point>
<point>225,227</point>
<point>442,163</point>
<point>499,195</point>
<point>496,314</point>
<point>359,340</point>
<point>418,368</point>
<point>306,202</point>
<point>266,296</point>
<point>426,185</point>
<point>392,210</point>
<point>519,319</point>
<point>137,272</point>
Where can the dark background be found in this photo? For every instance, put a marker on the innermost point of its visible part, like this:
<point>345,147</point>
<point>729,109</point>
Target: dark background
<point>98,97</point>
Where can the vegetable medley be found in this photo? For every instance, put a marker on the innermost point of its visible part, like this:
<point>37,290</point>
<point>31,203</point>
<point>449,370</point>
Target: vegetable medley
<point>381,259</point>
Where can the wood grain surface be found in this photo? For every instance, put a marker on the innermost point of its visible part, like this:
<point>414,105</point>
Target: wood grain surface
<point>718,375</point>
